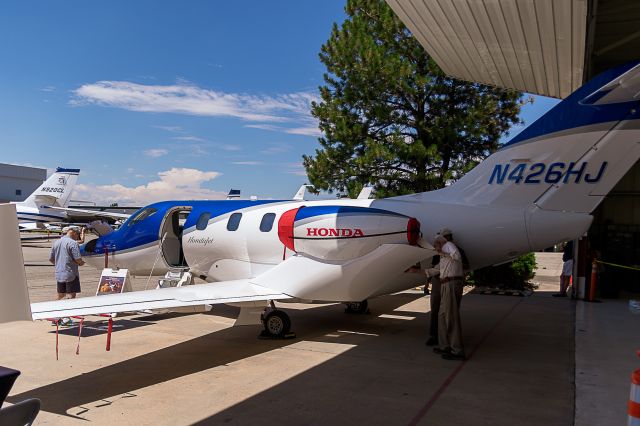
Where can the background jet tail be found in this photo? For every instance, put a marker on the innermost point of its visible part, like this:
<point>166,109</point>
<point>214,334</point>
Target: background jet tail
<point>56,190</point>
<point>567,160</point>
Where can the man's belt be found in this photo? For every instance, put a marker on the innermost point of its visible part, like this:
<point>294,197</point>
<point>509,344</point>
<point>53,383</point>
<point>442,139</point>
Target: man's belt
<point>447,279</point>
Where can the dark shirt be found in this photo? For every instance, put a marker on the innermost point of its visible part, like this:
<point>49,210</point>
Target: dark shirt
<point>567,254</point>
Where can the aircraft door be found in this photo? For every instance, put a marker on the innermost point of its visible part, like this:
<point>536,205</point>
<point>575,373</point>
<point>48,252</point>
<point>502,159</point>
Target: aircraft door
<point>171,237</point>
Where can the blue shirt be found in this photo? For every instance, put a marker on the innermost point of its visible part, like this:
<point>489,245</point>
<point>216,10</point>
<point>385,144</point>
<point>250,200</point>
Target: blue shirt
<point>64,252</point>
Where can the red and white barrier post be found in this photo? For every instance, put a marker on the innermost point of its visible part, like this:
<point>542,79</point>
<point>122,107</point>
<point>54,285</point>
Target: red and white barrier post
<point>634,399</point>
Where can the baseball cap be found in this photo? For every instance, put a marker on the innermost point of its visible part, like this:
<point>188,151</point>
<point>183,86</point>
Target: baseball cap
<point>445,231</point>
<point>71,228</point>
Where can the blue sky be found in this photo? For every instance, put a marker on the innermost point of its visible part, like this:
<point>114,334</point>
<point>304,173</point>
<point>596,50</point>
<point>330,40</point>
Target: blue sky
<point>159,100</point>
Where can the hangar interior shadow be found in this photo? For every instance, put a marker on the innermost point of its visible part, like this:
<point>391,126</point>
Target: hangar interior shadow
<point>522,350</point>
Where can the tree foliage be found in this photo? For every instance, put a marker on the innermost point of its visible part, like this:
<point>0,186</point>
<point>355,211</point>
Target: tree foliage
<point>391,118</point>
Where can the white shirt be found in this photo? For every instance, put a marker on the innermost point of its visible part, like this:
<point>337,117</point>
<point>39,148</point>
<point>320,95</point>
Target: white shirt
<point>450,261</point>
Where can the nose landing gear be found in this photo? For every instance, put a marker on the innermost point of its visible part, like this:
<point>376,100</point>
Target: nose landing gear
<point>357,307</point>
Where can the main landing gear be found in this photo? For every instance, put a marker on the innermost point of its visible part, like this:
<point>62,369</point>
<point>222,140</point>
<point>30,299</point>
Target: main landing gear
<point>357,307</point>
<point>277,324</point>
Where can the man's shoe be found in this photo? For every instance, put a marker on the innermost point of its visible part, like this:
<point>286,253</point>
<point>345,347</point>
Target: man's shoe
<point>432,341</point>
<point>66,322</point>
<point>453,357</point>
<point>559,295</point>
<point>442,351</point>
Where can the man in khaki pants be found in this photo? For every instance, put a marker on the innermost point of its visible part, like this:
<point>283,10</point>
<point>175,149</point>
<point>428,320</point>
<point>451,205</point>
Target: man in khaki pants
<point>452,279</point>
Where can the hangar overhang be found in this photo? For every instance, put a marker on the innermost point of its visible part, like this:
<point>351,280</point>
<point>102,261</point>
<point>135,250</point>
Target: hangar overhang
<point>545,47</point>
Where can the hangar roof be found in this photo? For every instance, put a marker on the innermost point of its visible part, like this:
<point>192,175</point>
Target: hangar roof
<point>547,47</point>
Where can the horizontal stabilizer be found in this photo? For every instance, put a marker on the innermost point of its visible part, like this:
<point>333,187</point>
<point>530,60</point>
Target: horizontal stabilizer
<point>198,294</point>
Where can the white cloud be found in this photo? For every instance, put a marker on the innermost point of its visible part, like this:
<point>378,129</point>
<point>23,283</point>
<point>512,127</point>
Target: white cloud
<point>229,147</point>
<point>247,163</point>
<point>174,184</point>
<point>306,131</point>
<point>292,110</point>
<point>49,89</point>
<point>189,138</point>
<point>311,130</point>
<point>155,152</point>
<point>173,129</point>
<point>295,169</point>
<point>276,149</point>
<point>269,127</point>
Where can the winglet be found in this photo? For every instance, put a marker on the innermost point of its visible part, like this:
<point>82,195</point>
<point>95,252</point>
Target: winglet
<point>14,299</point>
<point>365,193</point>
<point>302,192</point>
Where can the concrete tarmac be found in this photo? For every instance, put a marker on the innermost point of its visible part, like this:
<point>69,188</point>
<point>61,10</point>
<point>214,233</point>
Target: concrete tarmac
<point>341,368</point>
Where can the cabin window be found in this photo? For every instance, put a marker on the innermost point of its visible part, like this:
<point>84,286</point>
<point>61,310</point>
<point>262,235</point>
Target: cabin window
<point>142,215</point>
<point>234,221</point>
<point>203,221</point>
<point>267,222</point>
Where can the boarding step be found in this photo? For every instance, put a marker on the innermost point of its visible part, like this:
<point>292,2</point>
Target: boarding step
<point>176,277</point>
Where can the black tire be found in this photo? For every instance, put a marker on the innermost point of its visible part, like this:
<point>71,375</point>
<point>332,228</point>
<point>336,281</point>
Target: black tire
<point>358,307</point>
<point>277,323</point>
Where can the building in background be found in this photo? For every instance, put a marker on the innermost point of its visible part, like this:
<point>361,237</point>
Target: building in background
<point>18,182</point>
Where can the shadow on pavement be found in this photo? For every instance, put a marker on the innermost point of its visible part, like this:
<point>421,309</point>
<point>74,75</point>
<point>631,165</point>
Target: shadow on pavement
<point>202,353</point>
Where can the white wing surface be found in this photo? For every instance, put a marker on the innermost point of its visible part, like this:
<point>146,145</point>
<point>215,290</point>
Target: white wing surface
<point>91,213</point>
<point>192,295</point>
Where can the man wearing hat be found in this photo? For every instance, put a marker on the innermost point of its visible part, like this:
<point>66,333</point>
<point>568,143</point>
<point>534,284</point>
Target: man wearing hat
<point>65,255</point>
<point>452,284</point>
<point>445,297</point>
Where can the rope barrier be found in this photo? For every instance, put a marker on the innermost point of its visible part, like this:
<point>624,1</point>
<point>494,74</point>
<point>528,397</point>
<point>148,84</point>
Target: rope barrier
<point>79,334</point>
<point>56,339</point>
<point>617,266</point>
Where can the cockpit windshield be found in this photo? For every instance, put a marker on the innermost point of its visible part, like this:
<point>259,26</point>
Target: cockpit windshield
<point>142,215</point>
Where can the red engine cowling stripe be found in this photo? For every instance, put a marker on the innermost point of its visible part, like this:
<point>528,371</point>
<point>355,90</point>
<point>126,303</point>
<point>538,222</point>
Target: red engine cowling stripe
<point>413,231</point>
<point>285,228</point>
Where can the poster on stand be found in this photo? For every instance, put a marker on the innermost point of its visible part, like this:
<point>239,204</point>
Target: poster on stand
<point>113,281</point>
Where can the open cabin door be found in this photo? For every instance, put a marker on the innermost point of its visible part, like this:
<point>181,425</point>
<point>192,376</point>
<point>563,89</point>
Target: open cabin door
<point>171,236</point>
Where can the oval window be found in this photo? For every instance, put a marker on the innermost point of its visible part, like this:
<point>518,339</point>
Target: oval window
<point>267,222</point>
<point>234,221</point>
<point>203,221</point>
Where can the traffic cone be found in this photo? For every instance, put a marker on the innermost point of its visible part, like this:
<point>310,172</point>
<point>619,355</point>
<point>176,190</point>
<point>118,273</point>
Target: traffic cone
<point>634,399</point>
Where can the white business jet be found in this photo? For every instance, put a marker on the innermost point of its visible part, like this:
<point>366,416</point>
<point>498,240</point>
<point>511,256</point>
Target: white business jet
<point>537,190</point>
<point>48,205</point>
<point>34,212</point>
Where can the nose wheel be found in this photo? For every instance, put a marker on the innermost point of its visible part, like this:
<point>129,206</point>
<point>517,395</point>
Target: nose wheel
<point>357,307</point>
<point>277,325</point>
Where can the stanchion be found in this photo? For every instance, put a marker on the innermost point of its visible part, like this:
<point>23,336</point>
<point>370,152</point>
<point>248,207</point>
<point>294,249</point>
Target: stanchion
<point>109,330</point>
<point>594,280</point>
<point>634,399</point>
<point>106,257</point>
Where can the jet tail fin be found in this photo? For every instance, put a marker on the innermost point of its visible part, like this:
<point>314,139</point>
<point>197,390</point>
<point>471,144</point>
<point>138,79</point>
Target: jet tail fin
<point>55,191</point>
<point>567,160</point>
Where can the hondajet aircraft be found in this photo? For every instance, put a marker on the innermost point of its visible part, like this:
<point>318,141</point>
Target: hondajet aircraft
<point>537,190</point>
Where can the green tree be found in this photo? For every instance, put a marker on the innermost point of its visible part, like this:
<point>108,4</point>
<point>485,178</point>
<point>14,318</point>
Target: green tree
<point>391,118</point>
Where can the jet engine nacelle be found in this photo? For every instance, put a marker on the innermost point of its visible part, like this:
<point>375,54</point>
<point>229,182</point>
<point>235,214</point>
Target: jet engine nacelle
<point>338,233</point>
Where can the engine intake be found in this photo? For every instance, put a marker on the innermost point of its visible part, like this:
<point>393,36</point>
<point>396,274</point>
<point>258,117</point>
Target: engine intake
<point>344,232</point>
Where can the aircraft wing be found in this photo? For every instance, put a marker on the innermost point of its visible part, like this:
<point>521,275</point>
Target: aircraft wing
<point>192,295</point>
<point>93,213</point>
